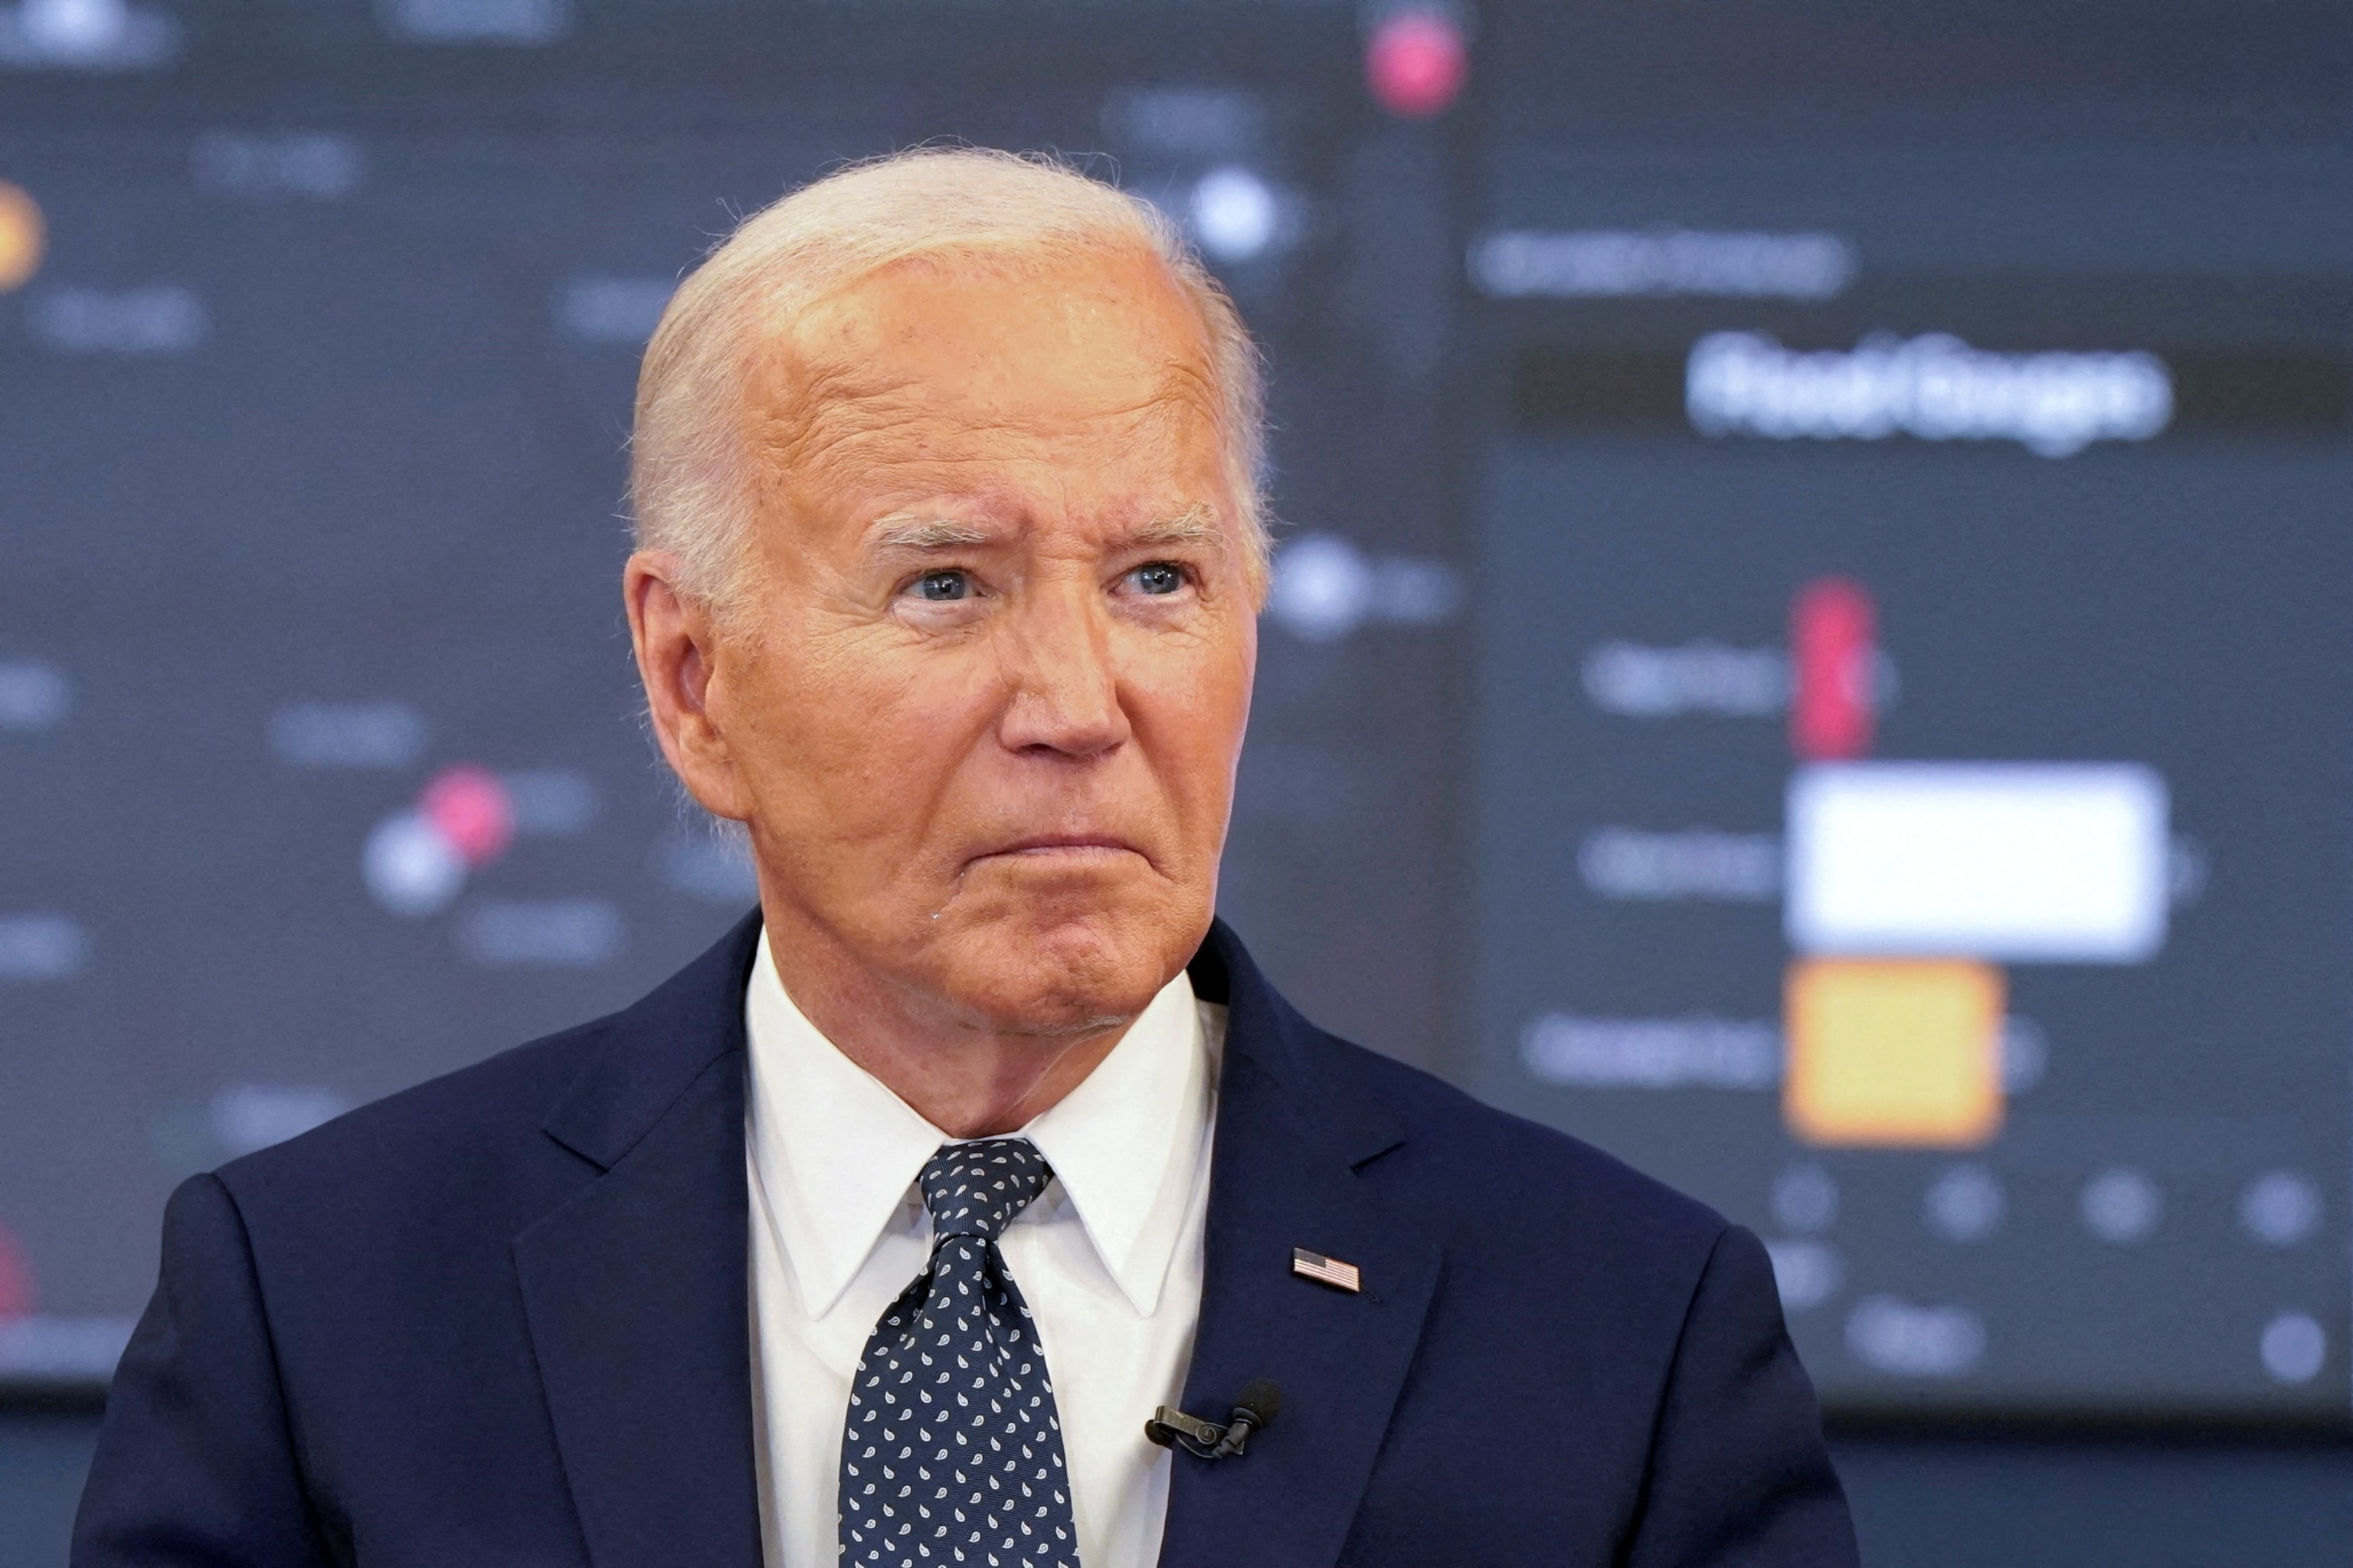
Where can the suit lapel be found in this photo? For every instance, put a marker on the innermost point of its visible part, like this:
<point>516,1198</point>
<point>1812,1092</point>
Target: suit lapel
<point>1289,1143</point>
<point>636,1291</point>
<point>639,1301</point>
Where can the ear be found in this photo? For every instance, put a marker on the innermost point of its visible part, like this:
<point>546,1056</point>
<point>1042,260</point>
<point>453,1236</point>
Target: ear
<point>676,640</point>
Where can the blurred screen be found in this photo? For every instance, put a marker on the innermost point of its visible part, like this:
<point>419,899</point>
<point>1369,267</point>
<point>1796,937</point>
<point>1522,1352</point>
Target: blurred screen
<point>1912,749</point>
<point>1806,646</point>
<point>318,725</point>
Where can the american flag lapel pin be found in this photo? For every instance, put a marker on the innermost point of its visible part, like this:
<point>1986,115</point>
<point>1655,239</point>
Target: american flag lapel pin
<point>1324,1270</point>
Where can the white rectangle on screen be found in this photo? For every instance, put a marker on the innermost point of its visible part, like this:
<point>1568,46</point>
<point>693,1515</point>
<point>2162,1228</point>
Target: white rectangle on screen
<point>2053,861</point>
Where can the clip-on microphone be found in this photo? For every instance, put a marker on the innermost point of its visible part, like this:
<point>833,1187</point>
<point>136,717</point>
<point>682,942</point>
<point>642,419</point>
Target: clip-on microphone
<point>1256,1406</point>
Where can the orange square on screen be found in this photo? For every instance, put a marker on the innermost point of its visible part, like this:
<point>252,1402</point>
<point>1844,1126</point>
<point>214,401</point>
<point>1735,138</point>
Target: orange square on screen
<point>1893,1053</point>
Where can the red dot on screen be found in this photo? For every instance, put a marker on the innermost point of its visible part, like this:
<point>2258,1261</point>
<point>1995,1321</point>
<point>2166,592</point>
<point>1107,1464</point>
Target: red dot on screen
<point>1833,657</point>
<point>1416,63</point>
<point>472,808</point>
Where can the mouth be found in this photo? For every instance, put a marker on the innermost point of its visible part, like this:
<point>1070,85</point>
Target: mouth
<point>1063,846</point>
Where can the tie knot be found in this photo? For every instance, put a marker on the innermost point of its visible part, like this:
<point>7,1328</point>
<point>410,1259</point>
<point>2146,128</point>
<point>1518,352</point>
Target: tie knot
<point>975,1189</point>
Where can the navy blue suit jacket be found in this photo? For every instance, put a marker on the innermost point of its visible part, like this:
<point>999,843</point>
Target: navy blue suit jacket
<point>503,1318</point>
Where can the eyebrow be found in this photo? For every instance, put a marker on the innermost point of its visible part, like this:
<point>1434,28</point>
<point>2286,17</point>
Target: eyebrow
<point>1195,526</point>
<point>928,534</point>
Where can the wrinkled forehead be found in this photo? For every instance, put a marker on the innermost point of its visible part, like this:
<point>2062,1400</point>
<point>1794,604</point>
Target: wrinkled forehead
<point>1085,363</point>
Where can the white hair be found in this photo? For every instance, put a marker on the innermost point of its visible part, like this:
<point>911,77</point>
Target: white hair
<point>692,489</point>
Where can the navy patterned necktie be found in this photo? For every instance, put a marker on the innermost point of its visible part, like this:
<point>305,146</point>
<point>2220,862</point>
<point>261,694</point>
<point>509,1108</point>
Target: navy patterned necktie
<point>953,1452</point>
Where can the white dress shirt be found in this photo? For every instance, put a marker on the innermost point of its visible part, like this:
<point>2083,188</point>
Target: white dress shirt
<point>1108,1257</point>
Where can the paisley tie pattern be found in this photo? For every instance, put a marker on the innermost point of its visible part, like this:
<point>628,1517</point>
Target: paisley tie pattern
<point>953,1452</point>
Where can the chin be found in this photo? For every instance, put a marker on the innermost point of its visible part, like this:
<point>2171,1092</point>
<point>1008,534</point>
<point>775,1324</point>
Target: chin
<point>1050,967</point>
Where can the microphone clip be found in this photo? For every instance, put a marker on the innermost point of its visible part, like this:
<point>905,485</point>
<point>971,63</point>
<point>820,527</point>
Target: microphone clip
<point>1255,1408</point>
<point>1203,1439</point>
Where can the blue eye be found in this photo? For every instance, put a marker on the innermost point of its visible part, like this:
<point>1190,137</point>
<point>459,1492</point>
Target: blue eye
<point>940,586</point>
<point>1159,578</point>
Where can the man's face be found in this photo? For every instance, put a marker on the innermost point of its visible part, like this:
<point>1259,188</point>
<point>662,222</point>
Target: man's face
<point>984,708</point>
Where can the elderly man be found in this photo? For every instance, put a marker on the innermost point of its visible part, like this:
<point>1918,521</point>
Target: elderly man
<point>878,1234</point>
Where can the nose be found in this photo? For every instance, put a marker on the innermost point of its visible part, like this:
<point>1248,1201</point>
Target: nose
<point>1059,664</point>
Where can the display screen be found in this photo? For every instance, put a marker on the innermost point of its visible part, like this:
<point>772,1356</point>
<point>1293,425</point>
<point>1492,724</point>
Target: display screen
<point>1913,748</point>
<point>319,735</point>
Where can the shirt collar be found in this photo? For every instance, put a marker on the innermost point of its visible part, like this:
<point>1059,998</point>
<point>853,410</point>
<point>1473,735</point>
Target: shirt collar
<point>836,1152</point>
